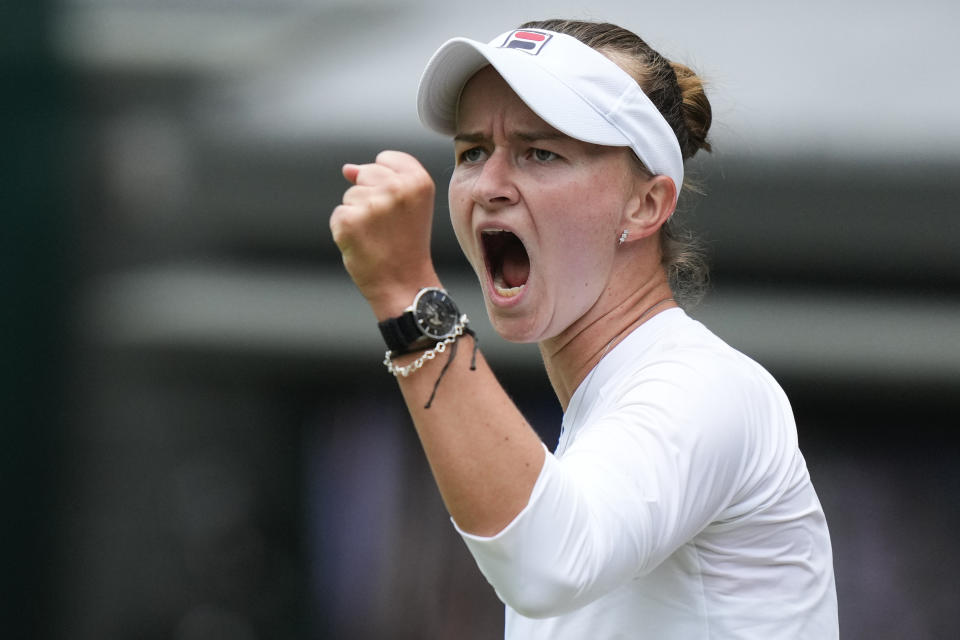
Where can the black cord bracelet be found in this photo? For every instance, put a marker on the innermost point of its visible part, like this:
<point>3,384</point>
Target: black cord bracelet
<point>453,354</point>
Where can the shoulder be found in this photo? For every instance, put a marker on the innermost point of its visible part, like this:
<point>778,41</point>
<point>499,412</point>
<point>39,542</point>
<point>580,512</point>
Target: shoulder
<point>692,387</point>
<point>686,357</point>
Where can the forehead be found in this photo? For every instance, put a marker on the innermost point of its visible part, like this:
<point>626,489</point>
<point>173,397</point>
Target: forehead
<point>487,103</point>
<point>486,95</point>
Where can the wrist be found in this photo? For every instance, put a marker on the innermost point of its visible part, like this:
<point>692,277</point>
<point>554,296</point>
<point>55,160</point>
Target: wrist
<point>431,317</point>
<point>394,300</point>
<point>428,326</point>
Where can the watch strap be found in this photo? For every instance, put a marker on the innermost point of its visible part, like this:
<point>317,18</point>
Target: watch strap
<point>400,333</point>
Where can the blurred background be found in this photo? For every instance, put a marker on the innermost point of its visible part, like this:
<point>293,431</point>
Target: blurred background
<point>199,440</point>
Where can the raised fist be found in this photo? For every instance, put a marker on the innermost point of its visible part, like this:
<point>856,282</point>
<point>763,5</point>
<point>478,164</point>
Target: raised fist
<point>383,230</point>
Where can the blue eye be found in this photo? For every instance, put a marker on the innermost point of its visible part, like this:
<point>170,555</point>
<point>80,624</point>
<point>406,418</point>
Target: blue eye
<point>542,155</point>
<point>473,154</point>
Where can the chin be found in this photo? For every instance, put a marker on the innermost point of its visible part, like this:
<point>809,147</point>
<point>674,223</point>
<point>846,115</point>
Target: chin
<point>520,329</point>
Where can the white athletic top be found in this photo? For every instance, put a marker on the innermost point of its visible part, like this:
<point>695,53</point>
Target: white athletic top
<point>677,505</point>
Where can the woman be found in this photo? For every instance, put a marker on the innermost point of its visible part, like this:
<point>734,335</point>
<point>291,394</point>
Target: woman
<point>677,504</point>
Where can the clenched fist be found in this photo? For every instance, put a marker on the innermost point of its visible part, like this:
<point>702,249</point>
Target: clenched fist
<point>383,230</point>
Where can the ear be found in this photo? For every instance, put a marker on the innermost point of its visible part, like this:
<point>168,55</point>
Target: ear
<point>651,205</point>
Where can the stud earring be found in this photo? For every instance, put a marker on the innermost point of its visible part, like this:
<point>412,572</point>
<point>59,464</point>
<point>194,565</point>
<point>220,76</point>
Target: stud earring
<point>623,237</point>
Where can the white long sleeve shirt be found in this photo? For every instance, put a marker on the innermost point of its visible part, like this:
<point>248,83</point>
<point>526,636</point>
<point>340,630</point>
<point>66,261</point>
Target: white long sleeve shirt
<point>677,505</point>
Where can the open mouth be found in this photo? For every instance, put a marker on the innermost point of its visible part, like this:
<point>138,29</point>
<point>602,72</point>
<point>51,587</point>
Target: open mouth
<point>507,261</point>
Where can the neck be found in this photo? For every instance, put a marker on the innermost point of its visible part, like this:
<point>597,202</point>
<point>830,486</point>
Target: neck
<point>571,355</point>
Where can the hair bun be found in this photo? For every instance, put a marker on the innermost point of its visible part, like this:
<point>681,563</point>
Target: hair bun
<point>697,113</point>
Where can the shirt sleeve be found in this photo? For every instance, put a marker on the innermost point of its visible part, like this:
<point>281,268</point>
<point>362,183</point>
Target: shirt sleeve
<point>639,480</point>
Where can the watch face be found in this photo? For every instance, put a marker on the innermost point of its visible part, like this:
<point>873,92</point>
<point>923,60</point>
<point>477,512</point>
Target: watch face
<point>435,313</point>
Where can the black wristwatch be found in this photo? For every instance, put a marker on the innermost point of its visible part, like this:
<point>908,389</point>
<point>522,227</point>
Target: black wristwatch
<point>432,317</point>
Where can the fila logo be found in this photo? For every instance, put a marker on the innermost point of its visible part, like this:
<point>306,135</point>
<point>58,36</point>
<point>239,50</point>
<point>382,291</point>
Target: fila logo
<point>528,41</point>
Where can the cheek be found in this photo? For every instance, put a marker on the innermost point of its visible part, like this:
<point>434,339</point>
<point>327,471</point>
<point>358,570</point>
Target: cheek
<point>459,204</point>
<point>583,222</point>
<point>582,240</point>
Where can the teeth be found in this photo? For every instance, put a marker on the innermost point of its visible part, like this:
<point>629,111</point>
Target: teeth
<point>508,293</point>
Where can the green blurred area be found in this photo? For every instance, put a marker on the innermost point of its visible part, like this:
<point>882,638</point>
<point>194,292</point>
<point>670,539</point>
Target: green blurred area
<point>34,290</point>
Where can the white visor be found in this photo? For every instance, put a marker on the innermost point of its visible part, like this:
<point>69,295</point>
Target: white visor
<point>573,87</point>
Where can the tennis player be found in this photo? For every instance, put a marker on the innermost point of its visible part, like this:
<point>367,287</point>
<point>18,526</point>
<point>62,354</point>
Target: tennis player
<point>677,503</point>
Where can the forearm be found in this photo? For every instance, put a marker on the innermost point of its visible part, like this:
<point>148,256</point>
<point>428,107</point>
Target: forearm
<point>484,456</point>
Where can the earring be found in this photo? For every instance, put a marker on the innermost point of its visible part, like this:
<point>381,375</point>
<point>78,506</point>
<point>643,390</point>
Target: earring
<point>623,237</point>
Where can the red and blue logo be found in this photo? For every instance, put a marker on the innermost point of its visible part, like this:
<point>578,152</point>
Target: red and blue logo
<point>528,41</point>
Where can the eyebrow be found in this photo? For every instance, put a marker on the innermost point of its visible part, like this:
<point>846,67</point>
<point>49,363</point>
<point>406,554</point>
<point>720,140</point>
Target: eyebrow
<point>526,136</point>
<point>469,137</point>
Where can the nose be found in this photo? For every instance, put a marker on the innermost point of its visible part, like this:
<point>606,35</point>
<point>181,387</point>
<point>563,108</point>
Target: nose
<point>495,188</point>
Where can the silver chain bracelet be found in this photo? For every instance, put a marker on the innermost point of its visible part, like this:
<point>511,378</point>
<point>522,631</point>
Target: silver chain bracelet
<point>430,354</point>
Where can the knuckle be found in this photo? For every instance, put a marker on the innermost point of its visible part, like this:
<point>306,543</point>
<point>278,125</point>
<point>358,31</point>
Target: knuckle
<point>337,217</point>
<point>339,224</point>
<point>425,184</point>
<point>395,188</point>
